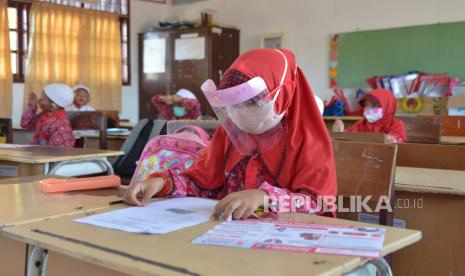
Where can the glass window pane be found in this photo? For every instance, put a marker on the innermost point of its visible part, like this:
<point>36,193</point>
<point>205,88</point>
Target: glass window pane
<point>124,7</point>
<point>12,17</point>
<point>124,31</point>
<point>124,50</point>
<point>24,13</point>
<point>13,40</point>
<point>24,41</point>
<point>14,63</point>
<point>125,74</point>
<point>24,63</point>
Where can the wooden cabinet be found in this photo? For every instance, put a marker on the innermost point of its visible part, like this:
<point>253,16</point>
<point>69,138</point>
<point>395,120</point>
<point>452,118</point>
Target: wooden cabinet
<point>220,48</point>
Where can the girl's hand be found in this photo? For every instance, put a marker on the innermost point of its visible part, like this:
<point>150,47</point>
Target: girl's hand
<point>32,100</point>
<point>177,99</point>
<point>338,126</point>
<point>144,189</point>
<point>239,205</point>
<point>389,139</point>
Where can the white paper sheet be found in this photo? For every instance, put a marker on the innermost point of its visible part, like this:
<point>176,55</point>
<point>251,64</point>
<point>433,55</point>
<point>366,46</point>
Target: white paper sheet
<point>189,48</point>
<point>154,55</point>
<point>156,218</point>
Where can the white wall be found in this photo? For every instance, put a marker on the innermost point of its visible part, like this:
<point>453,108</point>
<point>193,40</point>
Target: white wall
<point>143,14</point>
<point>307,24</point>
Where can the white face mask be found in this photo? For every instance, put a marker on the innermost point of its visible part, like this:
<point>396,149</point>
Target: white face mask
<point>255,119</point>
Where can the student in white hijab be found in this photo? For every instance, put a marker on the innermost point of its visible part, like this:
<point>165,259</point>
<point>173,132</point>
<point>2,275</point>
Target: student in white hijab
<point>81,99</point>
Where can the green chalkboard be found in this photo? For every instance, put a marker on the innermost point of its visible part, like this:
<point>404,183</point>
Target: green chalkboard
<point>434,48</point>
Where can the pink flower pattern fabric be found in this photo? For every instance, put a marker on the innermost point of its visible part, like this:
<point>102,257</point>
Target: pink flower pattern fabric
<point>50,130</point>
<point>166,111</point>
<point>280,198</point>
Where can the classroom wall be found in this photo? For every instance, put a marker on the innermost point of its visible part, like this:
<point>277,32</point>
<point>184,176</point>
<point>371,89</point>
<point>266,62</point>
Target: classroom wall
<point>307,24</point>
<point>143,14</point>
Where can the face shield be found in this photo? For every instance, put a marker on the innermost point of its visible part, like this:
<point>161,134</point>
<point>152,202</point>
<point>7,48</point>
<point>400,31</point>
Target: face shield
<point>247,113</point>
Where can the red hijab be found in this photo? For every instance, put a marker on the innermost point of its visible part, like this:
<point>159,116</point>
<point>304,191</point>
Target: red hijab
<point>388,124</point>
<point>308,164</point>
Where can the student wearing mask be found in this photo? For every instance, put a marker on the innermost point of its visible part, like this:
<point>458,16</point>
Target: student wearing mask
<point>272,142</point>
<point>379,109</point>
<point>183,105</point>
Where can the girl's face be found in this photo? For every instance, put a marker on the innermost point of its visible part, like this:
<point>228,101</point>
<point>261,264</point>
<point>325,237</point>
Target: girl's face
<point>372,110</point>
<point>46,104</point>
<point>371,103</point>
<point>81,98</point>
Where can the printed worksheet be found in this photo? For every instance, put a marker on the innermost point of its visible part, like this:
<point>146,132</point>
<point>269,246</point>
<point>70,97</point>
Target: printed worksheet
<point>156,218</point>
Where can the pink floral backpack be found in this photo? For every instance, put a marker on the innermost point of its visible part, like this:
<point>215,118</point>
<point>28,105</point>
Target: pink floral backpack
<point>176,152</point>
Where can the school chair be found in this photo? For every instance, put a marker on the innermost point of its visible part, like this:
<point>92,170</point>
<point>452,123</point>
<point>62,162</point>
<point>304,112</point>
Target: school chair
<point>425,130</point>
<point>143,131</point>
<point>366,170</point>
<point>6,130</point>
<point>112,118</point>
<point>209,126</point>
<point>94,120</point>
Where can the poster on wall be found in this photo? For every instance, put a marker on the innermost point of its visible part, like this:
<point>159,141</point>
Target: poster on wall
<point>154,55</point>
<point>189,48</point>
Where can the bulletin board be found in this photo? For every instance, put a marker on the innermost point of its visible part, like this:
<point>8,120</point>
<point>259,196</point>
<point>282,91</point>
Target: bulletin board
<point>356,56</point>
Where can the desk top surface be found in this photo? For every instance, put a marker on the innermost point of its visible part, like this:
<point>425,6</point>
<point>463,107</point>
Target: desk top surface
<point>173,253</point>
<point>430,180</point>
<point>343,118</point>
<point>40,154</point>
<point>453,140</point>
<point>23,202</point>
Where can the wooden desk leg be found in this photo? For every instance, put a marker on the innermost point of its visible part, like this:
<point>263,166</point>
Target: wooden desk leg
<point>12,257</point>
<point>59,264</point>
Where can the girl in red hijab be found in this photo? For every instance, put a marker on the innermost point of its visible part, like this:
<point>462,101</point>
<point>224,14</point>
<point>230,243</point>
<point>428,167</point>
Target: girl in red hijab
<point>379,109</point>
<point>271,142</point>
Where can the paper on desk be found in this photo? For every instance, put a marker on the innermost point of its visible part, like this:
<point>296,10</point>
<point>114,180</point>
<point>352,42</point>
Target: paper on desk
<point>156,218</point>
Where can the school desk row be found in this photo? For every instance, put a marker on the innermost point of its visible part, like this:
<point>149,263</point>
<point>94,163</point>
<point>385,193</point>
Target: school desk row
<point>421,129</point>
<point>26,212</point>
<point>31,221</point>
<point>27,160</point>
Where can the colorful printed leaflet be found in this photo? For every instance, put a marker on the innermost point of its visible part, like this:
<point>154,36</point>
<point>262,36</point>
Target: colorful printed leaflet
<point>364,242</point>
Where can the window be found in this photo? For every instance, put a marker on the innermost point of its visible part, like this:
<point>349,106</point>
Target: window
<point>18,14</point>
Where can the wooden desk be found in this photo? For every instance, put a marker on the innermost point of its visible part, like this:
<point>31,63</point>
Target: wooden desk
<point>432,201</point>
<point>39,160</point>
<point>86,249</point>
<point>421,180</point>
<point>23,202</point>
<point>348,120</point>
<point>358,136</point>
<point>453,140</point>
<point>114,141</point>
<point>446,157</point>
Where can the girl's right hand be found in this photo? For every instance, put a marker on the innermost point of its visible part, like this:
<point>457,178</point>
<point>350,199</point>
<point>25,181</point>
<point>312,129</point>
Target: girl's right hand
<point>145,190</point>
<point>32,99</point>
<point>338,126</point>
